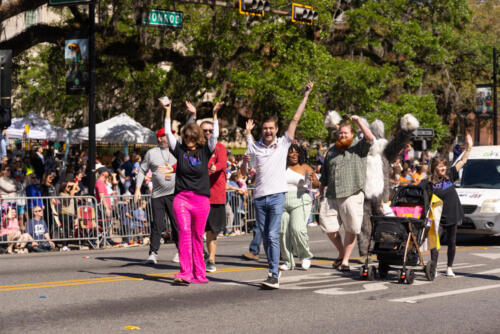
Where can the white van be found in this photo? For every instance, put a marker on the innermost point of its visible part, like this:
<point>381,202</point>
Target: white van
<point>479,191</point>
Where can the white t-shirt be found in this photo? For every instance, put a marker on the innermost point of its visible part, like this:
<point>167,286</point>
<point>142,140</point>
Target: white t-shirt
<point>270,165</point>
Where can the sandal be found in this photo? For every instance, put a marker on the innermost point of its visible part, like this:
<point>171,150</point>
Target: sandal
<point>336,264</point>
<point>344,269</point>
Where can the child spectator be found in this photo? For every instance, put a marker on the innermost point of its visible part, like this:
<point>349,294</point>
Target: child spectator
<point>37,229</point>
<point>10,231</point>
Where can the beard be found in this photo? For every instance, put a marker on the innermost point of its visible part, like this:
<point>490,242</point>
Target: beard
<point>343,144</point>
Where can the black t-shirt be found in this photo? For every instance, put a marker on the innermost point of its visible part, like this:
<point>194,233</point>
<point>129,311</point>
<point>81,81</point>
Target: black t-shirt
<point>452,208</point>
<point>192,170</point>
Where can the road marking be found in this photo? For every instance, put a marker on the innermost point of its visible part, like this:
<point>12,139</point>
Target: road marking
<point>491,256</point>
<point>367,287</point>
<point>414,299</point>
<point>56,284</point>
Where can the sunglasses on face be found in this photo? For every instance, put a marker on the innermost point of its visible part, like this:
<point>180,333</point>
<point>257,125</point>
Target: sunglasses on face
<point>208,130</point>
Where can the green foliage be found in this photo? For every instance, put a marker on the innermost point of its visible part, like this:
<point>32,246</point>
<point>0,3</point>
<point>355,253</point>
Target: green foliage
<point>397,56</point>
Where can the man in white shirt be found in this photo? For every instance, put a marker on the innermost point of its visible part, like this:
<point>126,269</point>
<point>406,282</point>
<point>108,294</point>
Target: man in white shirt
<point>270,156</point>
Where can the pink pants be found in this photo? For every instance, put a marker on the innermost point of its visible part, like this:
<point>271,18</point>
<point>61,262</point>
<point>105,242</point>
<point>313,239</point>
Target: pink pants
<point>191,212</point>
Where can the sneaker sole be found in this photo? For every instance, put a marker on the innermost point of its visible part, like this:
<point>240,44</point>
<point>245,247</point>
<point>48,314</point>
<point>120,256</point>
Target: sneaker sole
<point>211,270</point>
<point>270,286</point>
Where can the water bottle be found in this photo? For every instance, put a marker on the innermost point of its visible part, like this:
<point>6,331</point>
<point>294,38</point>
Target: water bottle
<point>307,181</point>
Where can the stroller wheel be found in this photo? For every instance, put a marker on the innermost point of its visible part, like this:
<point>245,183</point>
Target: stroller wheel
<point>410,276</point>
<point>401,276</point>
<point>363,272</point>
<point>430,271</point>
<point>372,271</point>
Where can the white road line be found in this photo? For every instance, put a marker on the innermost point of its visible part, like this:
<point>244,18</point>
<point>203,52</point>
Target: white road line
<point>367,287</point>
<point>491,256</point>
<point>414,299</point>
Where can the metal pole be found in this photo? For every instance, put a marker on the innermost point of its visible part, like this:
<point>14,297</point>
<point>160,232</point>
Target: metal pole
<point>92,146</point>
<point>495,125</point>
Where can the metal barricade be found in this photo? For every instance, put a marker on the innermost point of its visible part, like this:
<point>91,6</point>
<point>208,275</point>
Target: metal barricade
<point>236,210</point>
<point>68,220</point>
<point>125,220</point>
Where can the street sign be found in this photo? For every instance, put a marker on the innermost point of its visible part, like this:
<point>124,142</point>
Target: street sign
<point>163,18</point>
<point>423,132</point>
<point>68,2</point>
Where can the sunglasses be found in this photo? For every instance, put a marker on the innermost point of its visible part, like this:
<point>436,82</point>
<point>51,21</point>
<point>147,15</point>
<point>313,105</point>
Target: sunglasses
<point>208,130</point>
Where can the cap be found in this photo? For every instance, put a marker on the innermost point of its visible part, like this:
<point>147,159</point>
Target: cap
<point>160,132</point>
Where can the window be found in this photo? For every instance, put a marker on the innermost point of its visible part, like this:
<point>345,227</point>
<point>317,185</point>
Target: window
<point>31,18</point>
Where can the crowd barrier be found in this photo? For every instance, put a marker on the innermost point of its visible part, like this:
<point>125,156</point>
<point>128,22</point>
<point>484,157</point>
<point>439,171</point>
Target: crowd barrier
<point>68,218</point>
<point>82,221</point>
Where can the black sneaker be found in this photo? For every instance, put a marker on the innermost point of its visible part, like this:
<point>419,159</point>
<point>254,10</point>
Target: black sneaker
<point>211,266</point>
<point>271,282</point>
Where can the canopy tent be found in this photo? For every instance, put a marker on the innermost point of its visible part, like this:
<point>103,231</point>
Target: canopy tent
<point>39,128</point>
<point>119,129</point>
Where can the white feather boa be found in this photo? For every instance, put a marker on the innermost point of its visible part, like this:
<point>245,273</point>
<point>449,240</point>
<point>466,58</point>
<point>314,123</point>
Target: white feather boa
<point>374,185</point>
<point>332,119</point>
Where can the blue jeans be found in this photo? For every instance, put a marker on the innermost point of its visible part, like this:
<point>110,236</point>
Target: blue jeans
<point>268,210</point>
<point>257,239</point>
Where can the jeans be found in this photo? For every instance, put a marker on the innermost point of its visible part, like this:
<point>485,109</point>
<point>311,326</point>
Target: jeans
<point>268,211</point>
<point>257,239</point>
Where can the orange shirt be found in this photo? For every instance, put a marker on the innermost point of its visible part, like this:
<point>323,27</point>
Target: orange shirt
<point>403,181</point>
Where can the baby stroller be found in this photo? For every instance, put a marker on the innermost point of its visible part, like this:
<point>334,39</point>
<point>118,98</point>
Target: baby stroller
<point>397,240</point>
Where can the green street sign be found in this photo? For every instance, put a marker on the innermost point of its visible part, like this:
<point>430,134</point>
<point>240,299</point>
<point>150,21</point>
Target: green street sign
<point>163,18</point>
<point>68,2</point>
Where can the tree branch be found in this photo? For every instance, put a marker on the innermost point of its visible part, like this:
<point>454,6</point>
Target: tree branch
<point>14,7</point>
<point>34,35</point>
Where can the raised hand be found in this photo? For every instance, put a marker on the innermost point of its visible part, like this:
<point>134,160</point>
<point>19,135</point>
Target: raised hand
<point>468,140</point>
<point>309,87</point>
<point>191,109</point>
<point>218,105</point>
<point>249,126</point>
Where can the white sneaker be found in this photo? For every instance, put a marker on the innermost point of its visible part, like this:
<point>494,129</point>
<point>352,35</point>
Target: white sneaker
<point>284,267</point>
<point>449,272</point>
<point>306,264</point>
<point>153,258</point>
<point>65,249</point>
<point>175,259</point>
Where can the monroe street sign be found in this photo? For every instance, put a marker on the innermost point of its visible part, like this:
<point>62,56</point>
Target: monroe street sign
<point>163,18</point>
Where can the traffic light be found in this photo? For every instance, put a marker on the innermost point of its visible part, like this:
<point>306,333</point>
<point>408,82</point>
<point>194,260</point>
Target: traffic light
<point>303,14</point>
<point>254,7</point>
<point>5,88</point>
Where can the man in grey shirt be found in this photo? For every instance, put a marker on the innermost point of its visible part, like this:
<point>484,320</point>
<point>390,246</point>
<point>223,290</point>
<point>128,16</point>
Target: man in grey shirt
<point>161,162</point>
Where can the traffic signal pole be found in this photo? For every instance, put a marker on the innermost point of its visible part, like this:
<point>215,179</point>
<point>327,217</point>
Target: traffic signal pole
<point>227,4</point>
<point>92,144</point>
<point>495,97</point>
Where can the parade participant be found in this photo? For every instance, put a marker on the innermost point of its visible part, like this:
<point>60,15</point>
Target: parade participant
<point>160,161</point>
<point>270,156</point>
<point>442,179</point>
<point>298,203</point>
<point>217,164</point>
<point>192,194</point>
<point>344,173</point>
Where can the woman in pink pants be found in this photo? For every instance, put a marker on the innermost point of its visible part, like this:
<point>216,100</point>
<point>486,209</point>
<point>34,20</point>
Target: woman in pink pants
<point>192,189</point>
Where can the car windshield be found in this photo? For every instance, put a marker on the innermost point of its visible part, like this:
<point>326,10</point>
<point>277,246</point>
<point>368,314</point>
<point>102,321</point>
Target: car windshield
<point>479,173</point>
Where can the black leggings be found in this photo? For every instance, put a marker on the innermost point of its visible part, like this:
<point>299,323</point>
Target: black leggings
<point>451,241</point>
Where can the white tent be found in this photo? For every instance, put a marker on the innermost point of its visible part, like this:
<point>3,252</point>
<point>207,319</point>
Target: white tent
<point>119,129</point>
<point>40,128</point>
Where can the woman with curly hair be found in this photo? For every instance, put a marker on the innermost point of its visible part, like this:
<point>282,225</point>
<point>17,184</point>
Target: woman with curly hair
<point>298,205</point>
<point>192,194</point>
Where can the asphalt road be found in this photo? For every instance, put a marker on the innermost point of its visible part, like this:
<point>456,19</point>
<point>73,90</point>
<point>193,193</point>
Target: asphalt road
<point>111,291</point>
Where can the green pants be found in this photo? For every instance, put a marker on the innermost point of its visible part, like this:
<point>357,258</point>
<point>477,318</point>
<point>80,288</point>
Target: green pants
<point>294,237</point>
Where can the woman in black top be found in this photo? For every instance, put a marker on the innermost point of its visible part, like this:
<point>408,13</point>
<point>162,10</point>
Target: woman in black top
<point>442,179</point>
<point>192,195</point>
